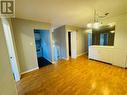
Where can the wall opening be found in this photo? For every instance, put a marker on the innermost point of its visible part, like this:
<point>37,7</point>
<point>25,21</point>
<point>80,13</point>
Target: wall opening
<point>69,43</point>
<point>43,47</point>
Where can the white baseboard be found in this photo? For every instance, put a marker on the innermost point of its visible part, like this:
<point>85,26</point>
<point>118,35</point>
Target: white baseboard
<point>81,54</point>
<point>65,58</point>
<point>29,70</point>
<point>54,62</point>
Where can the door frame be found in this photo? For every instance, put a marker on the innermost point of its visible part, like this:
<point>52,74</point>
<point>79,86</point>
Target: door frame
<point>51,47</point>
<point>73,44</point>
<point>8,32</point>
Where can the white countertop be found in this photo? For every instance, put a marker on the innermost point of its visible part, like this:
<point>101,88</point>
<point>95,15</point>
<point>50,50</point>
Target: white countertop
<point>102,46</point>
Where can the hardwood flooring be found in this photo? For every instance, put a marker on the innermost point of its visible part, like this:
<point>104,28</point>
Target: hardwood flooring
<point>75,77</point>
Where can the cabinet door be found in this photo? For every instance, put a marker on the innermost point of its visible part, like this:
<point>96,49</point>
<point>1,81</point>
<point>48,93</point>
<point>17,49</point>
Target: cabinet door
<point>105,55</point>
<point>119,58</point>
<point>93,53</point>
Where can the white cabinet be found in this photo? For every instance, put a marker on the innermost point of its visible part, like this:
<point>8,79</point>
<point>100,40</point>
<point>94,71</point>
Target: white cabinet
<point>119,58</point>
<point>101,53</point>
<point>105,55</point>
<point>109,54</point>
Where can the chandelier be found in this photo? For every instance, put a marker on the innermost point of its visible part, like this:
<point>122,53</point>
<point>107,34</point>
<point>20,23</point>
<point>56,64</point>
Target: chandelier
<point>96,23</point>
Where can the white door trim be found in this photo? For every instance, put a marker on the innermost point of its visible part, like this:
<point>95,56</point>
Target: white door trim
<point>73,44</point>
<point>10,46</point>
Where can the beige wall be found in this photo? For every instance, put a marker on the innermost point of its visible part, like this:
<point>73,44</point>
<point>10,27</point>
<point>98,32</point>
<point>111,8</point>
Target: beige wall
<point>59,36</point>
<point>25,42</point>
<point>120,30</point>
<point>81,35</point>
<point>7,83</point>
<point>61,40</point>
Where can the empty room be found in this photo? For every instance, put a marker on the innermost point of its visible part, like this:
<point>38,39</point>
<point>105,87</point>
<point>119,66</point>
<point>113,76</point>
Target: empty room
<point>63,47</point>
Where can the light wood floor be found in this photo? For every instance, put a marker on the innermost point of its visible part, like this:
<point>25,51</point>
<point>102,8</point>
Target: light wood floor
<point>75,77</point>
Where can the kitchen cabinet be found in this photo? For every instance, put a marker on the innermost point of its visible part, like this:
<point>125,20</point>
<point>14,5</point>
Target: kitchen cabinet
<point>109,54</point>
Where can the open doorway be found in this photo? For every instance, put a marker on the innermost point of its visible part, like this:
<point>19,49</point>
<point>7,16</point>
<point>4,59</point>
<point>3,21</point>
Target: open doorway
<point>43,47</point>
<point>72,50</point>
<point>69,43</point>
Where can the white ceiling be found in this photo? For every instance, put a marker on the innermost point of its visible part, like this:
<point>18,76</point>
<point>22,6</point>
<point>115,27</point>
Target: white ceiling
<point>70,12</point>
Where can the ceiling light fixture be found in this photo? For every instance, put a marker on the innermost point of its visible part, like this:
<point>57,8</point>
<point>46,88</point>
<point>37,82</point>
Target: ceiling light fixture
<point>96,23</point>
<point>112,31</point>
<point>89,25</point>
<point>111,24</point>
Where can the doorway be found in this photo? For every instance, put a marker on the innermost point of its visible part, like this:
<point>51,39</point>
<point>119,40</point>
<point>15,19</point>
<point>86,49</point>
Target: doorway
<point>43,47</point>
<point>69,43</point>
<point>72,46</point>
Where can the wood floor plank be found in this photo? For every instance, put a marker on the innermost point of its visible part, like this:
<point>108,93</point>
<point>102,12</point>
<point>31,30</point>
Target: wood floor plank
<point>75,77</point>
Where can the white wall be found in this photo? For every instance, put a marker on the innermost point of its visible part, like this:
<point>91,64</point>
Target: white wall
<point>25,42</point>
<point>7,83</point>
<point>46,44</point>
<point>120,44</point>
<point>120,30</point>
<point>119,52</point>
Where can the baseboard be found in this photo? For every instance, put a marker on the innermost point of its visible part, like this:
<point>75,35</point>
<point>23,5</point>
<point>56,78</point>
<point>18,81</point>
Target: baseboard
<point>54,62</point>
<point>82,54</point>
<point>65,58</point>
<point>29,70</point>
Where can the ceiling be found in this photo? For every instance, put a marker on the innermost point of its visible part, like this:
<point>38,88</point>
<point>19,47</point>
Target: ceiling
<point>70,12</point>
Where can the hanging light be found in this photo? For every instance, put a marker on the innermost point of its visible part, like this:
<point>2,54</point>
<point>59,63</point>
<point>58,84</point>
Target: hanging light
<point>111,24</point>
<point>89,25</point>
<point>112,31</point>
<point>96,24</point>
